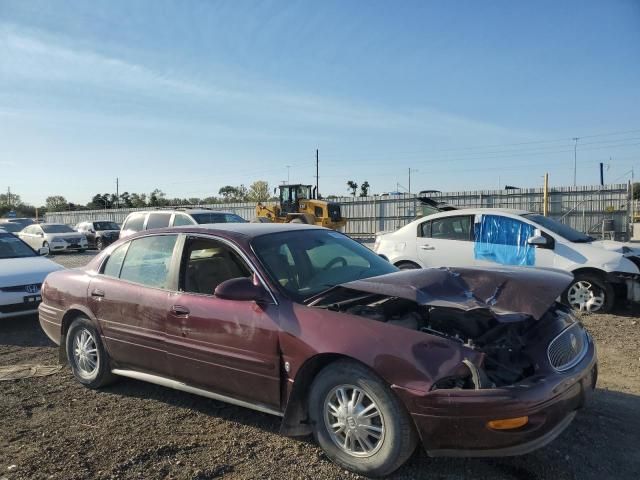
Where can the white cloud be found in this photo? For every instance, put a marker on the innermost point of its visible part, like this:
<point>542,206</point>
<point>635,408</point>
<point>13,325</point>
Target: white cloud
<point>29,57</point>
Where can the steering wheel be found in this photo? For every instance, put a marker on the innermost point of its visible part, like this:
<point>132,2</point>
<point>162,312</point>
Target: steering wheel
<point>334,261</point>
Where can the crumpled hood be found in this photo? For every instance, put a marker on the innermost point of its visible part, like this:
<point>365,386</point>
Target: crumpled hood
<point>613,246</point>
<point>511,293</point>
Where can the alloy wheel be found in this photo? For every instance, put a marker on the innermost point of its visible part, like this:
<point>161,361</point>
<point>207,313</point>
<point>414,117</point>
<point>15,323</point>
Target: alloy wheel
<point>354,421</point>
<point>585,296</point>
<point>85,353</point>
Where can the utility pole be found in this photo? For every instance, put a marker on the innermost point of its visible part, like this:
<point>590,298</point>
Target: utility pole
<point>575,158</point>
<point>117,193</point>
<point>414,170</point>
<point>317,176</point>
<point>9,197</point>
<point>288,180</point>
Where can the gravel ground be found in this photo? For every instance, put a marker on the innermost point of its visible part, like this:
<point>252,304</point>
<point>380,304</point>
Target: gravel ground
<point>52,428</point>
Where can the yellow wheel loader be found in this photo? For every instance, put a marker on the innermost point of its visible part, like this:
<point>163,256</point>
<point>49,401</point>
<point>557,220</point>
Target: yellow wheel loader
<point>298,204</point>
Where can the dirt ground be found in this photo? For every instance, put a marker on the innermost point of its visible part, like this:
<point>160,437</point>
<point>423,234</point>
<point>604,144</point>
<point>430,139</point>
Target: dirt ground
<point>53,428</point>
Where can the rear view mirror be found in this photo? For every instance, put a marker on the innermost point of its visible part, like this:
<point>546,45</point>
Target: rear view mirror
<point>537,238</point>
<point>43,251</point>
<point>241,289</point>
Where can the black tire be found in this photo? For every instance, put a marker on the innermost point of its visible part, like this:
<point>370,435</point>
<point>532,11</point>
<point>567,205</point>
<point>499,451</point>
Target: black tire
<point>45,244</point>
<point>99,244</point>
<point>596,285</point>
<point>99,376</point>
<point>399,439</point>
<point>407,266</point>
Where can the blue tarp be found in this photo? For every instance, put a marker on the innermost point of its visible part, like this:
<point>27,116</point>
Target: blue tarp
<point>503,240</point>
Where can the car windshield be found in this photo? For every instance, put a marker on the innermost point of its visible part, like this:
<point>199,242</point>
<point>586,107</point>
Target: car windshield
<point>105,226</point>
<point>307,262</point>
<point>12,247</point>
<point>558,228</point>
<point>57,228</point>
<point>217,217</point>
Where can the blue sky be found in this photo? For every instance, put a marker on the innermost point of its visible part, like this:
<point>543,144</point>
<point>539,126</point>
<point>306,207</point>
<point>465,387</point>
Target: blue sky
<point>189,96</point>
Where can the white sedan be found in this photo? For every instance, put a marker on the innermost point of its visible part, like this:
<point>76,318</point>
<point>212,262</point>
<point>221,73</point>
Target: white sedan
<point>58,237</point>
<point>22,271</point>
<point>603,270</point>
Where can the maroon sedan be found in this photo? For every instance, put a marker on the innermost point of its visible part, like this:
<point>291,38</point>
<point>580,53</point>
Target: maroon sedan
<point>305,323</point>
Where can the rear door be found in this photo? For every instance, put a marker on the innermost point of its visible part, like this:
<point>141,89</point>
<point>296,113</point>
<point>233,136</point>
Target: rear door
<point>446,241</point>
<point>230,347</point>
<point>130,300</point>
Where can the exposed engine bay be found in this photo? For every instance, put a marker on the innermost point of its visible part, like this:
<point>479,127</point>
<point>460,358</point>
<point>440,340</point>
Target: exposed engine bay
<point>502,343</point>
<point>496,312</point>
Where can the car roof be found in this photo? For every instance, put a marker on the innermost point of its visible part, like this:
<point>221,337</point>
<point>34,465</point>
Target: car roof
<point>475,211</point>
<point>182,210</point>
<point>246,230</point>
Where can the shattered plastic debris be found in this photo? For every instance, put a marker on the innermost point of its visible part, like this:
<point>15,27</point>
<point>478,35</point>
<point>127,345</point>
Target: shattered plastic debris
<point>16,372</point>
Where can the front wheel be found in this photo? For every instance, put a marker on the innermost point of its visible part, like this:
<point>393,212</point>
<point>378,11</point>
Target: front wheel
<point>99,244</point>
<point>589,293</point>
<point>358,421</point>
<point>407,266</point>
<point>87,357</point>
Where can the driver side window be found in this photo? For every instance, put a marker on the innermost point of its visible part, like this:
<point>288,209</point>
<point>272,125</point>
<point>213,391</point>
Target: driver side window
<point>206,263</point>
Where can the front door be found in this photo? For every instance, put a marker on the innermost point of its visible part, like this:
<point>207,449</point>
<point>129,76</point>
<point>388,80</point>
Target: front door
<point>230,347</point>
<point>130,300</point>
<point>446,241</point>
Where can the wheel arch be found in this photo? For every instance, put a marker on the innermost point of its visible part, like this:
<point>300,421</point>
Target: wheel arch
<point>590,271</point>
<point>398,263</point>
<point>294,422</point>
<point>69,316</point>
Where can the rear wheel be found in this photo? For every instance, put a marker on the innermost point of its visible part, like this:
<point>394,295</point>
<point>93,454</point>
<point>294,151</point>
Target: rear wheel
<point>358,421</point>
<point>87,357</point>
<point>590,293</point>
<point>99,244</point>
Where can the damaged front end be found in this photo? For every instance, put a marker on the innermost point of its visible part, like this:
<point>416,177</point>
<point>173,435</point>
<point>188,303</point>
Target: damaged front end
<point>505,316</point>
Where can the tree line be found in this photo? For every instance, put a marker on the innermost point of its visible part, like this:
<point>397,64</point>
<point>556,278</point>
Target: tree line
<point>258,191</point>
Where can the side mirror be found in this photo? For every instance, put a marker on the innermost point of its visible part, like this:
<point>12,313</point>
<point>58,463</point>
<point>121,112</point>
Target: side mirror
<point>537,238</point>
<point>241,289</point>
<point>43,251</point>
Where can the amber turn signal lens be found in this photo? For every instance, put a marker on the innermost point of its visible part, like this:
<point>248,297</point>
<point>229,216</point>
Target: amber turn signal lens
<point>508,423</point>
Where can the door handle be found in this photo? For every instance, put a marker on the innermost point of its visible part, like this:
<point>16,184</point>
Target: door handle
<point>179,310</point>
<point>427,247</point>
<point>97,293</point>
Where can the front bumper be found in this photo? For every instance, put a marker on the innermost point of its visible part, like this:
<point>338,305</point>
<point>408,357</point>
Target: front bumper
<point>66,247</point>
<point>15,304</point>
<point>454,422</point>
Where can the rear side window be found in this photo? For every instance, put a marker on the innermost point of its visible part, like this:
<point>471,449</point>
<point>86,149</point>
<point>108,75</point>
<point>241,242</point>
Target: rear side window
<point>134,222</point>
<point>181,219</point>
<point>148,261</point>
<point>158,220</point>
<point>114,262</point>
<point>451,228</point>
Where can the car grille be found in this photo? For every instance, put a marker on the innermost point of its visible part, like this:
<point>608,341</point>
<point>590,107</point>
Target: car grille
<point>334,212</point>
<point>75,240</point>
<point>567,349</point>
<point>35,287</point>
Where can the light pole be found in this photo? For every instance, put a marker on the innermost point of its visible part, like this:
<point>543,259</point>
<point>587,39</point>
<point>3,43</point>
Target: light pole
<point>288,167</point>
<point>575,158</point>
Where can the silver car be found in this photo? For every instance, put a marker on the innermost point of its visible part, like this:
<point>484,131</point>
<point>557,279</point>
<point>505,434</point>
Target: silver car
<point>56,236</point>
